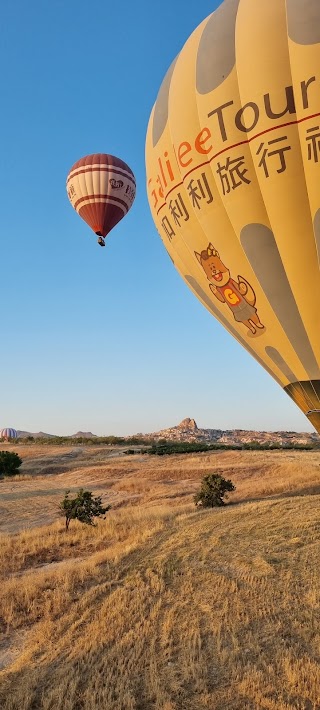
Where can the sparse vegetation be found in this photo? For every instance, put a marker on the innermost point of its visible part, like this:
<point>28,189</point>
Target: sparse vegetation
<point>83,507</point>
<point>159,606</point>
<point>214,488</point>
<point>167,448</point>
<point>87,440</point>
<point>10,462</point>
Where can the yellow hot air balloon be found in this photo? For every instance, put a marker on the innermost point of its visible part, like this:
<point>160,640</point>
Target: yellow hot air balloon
<point>233,181</point>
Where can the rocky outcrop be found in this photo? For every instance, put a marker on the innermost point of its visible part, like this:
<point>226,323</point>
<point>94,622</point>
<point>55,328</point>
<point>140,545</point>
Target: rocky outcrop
<point>188,430</point>
<point>187,425</point>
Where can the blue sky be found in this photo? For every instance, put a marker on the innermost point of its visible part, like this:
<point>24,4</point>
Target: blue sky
<point>107,340</point>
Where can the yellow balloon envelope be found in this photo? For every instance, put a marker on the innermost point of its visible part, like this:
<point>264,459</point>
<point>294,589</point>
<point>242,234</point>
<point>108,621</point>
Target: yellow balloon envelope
<point>233,181</point>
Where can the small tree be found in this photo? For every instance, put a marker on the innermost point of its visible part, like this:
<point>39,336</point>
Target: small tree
<point>213,489</point>
<point>84,507</point>
<point>9,463</point>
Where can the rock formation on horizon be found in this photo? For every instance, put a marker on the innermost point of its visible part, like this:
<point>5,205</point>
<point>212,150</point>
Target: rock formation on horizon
<point>187,425</point>
<point>188,430</point>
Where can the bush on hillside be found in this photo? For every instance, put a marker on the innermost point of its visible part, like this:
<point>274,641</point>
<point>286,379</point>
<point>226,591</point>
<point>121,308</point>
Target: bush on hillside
<point>213,489</point>
<point>84,507</point>
<point>9,463</point>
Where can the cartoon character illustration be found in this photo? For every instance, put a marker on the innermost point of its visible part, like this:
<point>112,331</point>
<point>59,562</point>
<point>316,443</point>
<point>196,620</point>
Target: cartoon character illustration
<point>238,295</point>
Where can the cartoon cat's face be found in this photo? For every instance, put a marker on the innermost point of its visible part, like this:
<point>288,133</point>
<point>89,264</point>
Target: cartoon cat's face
<point>215,270</point>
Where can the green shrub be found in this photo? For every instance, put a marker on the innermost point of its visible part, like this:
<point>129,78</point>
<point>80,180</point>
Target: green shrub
<point>213,489</point>
<point>84,507</point>
<point>9,463</point>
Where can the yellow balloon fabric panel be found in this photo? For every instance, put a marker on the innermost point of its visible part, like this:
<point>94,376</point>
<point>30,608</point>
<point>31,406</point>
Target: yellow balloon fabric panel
<point>233,168</point>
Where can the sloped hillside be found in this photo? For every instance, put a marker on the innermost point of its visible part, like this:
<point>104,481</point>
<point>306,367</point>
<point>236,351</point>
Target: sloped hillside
<point>165,607</point>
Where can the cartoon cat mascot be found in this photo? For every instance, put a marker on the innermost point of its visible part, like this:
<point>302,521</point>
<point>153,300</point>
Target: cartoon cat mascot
<point>238,295</point>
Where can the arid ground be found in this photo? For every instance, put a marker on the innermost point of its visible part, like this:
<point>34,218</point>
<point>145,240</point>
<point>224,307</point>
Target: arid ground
<point>160,606</point>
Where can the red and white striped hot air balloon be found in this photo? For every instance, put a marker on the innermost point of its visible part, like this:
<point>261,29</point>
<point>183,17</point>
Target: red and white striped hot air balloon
<point>101,188</point>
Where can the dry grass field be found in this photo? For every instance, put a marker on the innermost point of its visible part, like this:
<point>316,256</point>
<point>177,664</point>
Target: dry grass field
<point>161,606</point>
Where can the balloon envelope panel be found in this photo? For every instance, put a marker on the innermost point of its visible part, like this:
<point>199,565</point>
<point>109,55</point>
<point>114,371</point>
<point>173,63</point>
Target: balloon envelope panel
<point>233,174</point>
<point>101,188</point>
<point>8,433</point>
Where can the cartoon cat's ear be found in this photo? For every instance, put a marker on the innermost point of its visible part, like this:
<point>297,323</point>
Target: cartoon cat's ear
<point>198,256</point>
<point>212,251</point>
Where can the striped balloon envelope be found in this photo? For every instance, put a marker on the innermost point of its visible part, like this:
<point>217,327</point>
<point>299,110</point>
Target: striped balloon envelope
<point>233,181</point>
<point>101,188</point>
<point>8,433</point>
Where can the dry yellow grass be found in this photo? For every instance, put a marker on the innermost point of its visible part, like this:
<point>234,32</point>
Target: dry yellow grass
<point>161,606</point>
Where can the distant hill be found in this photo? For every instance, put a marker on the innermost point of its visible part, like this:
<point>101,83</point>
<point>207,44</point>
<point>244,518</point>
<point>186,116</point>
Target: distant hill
<point>188,431</point>
<point>43,435</point>
<point>36,435</point>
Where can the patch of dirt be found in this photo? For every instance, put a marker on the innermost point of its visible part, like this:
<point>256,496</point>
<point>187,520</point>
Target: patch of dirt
<point>11,647</point>
<point>48,566</point>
